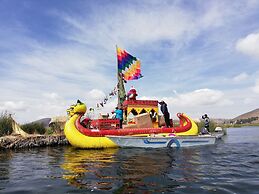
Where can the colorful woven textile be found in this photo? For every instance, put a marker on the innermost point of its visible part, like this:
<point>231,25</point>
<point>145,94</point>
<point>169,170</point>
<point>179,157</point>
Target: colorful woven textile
<point>128,65</point>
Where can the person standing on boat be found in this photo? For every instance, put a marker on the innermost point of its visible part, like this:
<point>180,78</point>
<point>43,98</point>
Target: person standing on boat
<point>165,112</point>
<point>119,115</point>
<point>206,120</point>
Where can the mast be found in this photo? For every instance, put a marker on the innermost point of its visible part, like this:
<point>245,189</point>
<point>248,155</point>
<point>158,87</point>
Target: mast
<point>120,86</point>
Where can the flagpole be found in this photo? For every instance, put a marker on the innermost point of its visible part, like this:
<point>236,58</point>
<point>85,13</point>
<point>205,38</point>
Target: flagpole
<point>120,85</point>
<point>117,77</point>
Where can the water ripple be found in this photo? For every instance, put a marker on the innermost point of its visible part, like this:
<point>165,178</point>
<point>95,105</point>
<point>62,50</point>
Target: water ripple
<point>230,166</point>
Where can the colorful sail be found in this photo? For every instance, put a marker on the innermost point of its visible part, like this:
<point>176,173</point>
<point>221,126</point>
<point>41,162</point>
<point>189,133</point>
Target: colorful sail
<point>128,65</point>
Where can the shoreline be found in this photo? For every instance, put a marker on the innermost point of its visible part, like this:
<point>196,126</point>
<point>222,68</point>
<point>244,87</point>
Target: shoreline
<point>19,142</point>
<point>238,125</point>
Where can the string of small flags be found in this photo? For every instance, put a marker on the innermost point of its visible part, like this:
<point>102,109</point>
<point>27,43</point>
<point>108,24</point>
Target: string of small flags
<point>106,98</point>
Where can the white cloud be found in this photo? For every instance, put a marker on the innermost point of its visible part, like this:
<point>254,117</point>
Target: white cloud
<point>41,108</point>
<point>130,26</point>
<point>64,70</point>
<point>198,102</point>
<point>96,94</point>
<point>256,87</point>
<point>201,97</point>
<point>13,106</point>
<point>248,100</point>
<point>240,77</point>
<point>48,61</point>
<point>249,45</point>
<point>144,24</point>
<point>51,96</point>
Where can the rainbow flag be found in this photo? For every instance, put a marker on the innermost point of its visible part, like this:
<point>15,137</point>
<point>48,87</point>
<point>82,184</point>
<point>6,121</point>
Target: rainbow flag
<point>128,65</point>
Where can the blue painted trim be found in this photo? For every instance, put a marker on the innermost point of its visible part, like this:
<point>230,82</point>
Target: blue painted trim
<point>190,141</point>
<point>146,141</point>
<point>173,140</point>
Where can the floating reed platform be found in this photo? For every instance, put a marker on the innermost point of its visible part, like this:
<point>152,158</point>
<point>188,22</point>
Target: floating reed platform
<point>18,141</point>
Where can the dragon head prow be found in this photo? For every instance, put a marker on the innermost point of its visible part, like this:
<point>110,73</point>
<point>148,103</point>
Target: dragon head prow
<point>78,108</point>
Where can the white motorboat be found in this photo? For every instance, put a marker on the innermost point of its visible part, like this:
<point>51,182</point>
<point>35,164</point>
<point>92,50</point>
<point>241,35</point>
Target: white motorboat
<point>163,142</point>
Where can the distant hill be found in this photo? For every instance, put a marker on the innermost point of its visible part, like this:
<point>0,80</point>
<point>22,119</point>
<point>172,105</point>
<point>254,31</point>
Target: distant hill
<point>44,121</point>
<point>249,117</point>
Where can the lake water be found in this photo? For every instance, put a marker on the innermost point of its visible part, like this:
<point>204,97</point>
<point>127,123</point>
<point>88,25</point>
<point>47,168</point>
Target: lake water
<point>230,166</point>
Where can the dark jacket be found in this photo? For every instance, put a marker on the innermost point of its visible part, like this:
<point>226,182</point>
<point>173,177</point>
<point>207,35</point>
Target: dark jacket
<point>206,122</point>
<point>163,108</point>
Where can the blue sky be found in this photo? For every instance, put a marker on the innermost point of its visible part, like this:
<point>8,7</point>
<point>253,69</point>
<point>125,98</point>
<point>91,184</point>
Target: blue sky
<point>198,56</point>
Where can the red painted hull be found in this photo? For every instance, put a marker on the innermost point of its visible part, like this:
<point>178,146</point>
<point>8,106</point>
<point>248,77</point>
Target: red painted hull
<point>137,131</point>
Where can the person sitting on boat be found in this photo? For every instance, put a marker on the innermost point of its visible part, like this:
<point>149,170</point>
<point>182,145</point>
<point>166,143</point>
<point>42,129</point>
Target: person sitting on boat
<point>132,93</point>
<point>86,122</point>
<point>119,115</point>
<point>165,112</point>
<point>153,115</point>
